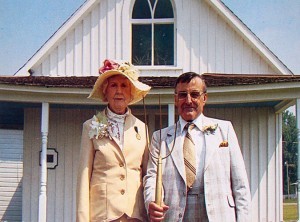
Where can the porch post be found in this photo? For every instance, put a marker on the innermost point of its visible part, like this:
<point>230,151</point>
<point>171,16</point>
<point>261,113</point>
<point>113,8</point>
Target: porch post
<point>43,170</point>
<point>171,114</point>
<point>298,167</point>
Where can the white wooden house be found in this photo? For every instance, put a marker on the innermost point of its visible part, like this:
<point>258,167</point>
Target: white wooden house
<point>45,103</point>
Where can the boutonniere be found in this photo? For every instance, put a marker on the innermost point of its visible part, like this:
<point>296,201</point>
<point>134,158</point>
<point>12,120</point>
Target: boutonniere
<point>99,127</point>
<point>210,129</point>
<point>223,144</point>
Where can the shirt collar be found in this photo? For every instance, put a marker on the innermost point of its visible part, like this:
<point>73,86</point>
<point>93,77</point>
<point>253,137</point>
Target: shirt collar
<point>198,122</point>
<point>119,118</point>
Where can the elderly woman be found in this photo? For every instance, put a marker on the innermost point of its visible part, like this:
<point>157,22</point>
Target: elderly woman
<point>114,154</point>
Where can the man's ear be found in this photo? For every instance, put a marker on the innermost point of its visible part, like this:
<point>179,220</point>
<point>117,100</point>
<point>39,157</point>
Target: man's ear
<point>205,97</point>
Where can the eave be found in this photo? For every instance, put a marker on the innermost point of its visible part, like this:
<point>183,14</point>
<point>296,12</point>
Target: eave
<point>280,91</point>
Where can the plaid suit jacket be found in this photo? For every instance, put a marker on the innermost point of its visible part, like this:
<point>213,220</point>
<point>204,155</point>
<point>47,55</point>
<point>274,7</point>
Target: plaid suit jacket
<point>226,187</point>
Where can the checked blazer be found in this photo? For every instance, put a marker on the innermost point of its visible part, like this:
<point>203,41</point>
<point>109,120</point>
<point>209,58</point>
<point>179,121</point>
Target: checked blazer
<point>226,187</point>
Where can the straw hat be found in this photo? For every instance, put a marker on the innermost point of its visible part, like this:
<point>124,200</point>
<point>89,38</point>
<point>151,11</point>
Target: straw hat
<point>111,68</point>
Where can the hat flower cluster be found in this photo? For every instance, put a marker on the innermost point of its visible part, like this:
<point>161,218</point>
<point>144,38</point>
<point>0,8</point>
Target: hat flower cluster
<point>125,67</point>
<point>110,68</point>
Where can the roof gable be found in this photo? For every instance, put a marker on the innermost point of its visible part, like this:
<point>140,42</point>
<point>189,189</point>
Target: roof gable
<point>248,35</point>
<point>58,57</point>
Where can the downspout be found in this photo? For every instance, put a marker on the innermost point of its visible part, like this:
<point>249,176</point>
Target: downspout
<point>42,217</point>
<point>298,166</point>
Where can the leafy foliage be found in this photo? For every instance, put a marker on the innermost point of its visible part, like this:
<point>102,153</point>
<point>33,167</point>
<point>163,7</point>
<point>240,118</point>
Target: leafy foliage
<point>290,147</point>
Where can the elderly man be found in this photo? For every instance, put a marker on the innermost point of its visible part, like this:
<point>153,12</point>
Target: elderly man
<point>204,179</point>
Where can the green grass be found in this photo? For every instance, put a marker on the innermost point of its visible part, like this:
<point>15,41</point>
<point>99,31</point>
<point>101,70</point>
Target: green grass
<point>290,212</point>
<point>290,201</point>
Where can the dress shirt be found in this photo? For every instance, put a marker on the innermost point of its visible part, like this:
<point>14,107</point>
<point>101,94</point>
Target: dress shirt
<point>116,125</point>
<point>198,138</point>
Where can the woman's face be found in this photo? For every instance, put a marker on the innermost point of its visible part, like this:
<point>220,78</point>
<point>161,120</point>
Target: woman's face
<point>118,93</point>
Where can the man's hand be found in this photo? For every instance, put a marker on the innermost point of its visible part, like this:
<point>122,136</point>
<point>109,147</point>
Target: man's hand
<point>156,212</point>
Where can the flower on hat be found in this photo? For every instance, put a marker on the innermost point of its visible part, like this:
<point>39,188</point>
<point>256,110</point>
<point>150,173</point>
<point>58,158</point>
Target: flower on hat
<point>108,65</point>
<point>124,67</point>
<point>138,90</point>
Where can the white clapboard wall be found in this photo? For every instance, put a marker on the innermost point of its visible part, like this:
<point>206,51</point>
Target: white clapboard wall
<point>11,174</point>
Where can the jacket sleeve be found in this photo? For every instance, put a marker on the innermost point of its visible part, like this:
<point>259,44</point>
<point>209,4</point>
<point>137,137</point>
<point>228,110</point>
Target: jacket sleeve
<point>150,178</point>
<point>145,155</point>
<point>239,179</point>
<point>86,159</point>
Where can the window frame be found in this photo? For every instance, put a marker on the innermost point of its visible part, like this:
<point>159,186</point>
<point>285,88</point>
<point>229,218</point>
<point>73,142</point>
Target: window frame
<point>154,21</point>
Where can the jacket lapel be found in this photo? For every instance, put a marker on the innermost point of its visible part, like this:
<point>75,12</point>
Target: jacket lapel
<point>129,134</point>
<point>211,142</point>
<point>177,153</point>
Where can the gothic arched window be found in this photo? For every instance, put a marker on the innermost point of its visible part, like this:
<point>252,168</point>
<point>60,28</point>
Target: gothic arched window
<point>152,33</point>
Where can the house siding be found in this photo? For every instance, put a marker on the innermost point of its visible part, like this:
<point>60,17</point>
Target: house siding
<point>11,173</point>
<point>255,128</point>
<point>204,43</point>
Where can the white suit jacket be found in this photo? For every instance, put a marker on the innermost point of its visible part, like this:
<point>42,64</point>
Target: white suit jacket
<point>226,187</point>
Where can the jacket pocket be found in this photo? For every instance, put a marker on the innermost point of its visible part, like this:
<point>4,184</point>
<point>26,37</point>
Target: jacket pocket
<point>98,207</point>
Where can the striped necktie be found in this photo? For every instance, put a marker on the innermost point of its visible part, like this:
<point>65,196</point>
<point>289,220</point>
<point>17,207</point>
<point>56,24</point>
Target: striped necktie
<point>189,156</point>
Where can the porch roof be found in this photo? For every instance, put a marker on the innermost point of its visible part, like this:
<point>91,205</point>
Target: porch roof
<point>278,91</point>
<point>212,80</point>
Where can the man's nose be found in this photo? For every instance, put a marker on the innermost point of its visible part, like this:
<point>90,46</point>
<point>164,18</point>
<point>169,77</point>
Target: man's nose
<point>188,98</point>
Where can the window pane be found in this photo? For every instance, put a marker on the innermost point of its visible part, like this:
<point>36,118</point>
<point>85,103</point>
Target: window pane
<point>163,9</point>
<point>164,44</point>
<point>141,10</point>
<point>141,44</point>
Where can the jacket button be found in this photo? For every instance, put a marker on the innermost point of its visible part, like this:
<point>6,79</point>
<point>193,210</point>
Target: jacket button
<point>180,215</point>
<point>122,177</point>
<point>121,165</point>
<point>122,191</point>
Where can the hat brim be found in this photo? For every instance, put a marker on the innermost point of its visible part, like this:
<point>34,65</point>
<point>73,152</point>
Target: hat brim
<point>138,89</point>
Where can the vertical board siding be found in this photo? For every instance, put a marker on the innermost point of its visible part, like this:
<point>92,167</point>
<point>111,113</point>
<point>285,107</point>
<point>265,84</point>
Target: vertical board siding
<point>195,47</point>
<point>11,174</point>
<point>94,41</point>
<point>255,128</point>
<point>61,70</point>
<point>78,50</point>
<point>204,42</point>
<point>70,53</point>
<point>86,58</point>
<point>271,166</point>
<point>64,135</point>
<point>32,147</point>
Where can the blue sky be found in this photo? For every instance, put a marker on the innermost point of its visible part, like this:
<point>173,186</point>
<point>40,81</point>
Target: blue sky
<point>25,25</point>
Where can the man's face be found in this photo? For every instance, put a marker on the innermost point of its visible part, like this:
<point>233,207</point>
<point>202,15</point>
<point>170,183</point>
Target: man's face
<point>190,106</point>
<point>118,93</point>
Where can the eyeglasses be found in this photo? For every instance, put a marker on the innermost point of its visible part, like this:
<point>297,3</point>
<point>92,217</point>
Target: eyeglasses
<point>193,94</point>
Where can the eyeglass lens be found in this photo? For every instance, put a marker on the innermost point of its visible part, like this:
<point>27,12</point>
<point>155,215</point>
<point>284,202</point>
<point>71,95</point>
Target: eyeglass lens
<point>194,94</point>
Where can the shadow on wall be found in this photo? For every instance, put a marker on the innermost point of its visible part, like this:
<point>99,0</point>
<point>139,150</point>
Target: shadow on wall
<point>13,211</point>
